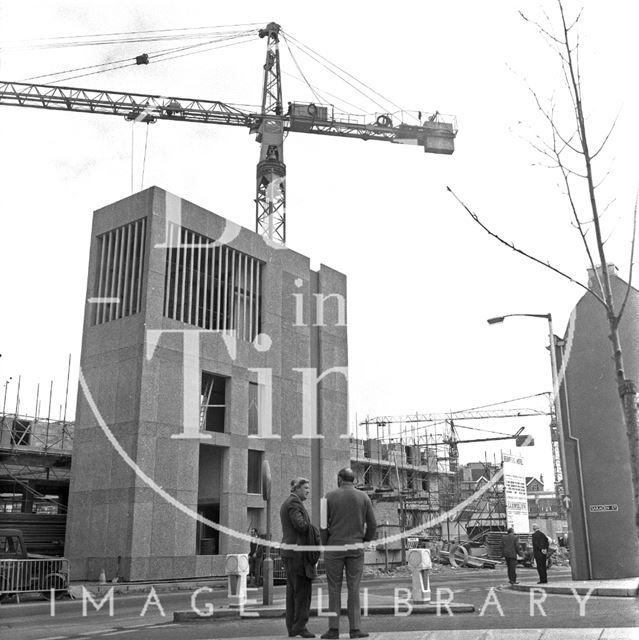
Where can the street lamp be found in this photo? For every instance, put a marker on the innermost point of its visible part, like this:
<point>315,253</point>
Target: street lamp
<point>555,384</point>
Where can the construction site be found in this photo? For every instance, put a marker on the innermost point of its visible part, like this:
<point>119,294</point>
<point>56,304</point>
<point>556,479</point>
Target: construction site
<point>214,362</point>
<point>409,466</point>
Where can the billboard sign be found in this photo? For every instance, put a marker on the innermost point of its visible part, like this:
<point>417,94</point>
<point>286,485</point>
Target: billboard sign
<point>515,493</point>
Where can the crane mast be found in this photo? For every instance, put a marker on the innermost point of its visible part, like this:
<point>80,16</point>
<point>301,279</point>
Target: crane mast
<point>270,198</point>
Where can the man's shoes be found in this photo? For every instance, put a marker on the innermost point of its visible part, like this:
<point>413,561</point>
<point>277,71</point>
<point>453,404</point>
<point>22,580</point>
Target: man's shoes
<point>304,633</point>
<point>331,634</point>
<point>543,582</point>
<point>514,583</point>
<point>356,633</point>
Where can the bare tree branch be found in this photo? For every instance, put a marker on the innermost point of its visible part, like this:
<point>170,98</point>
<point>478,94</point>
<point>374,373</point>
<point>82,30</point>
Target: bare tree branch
<point>603,144</point>
<point>510,245</point>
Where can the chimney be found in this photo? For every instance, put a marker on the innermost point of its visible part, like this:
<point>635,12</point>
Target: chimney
<point>592,281</point>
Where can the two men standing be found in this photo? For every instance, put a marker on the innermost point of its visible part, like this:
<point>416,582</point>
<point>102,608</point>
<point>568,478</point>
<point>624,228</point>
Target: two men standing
<point>350,522</point>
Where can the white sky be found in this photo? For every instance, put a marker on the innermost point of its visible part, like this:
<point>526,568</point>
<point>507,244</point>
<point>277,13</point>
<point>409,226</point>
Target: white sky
<point>422,276</point>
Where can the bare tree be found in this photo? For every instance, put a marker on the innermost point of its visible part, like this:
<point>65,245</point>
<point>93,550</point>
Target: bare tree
<point>573,156</point>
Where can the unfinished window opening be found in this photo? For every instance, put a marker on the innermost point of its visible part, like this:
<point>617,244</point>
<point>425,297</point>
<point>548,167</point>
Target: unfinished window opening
<point>213,402</point>
<point>367,476</point>
<point>254,471</point>
<point>253,409</point>
<point>212,287</point>
<point>118,283</point>
<point>209,490</point>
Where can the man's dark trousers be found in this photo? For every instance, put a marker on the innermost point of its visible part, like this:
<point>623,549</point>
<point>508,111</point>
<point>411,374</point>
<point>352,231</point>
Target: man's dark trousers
<point>511,563</point>
<point>334,564</point>
<point>298,594</point>
<point>540,561</point>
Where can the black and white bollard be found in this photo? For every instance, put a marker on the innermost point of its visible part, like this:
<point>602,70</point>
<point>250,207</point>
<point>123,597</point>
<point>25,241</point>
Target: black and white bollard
<point>237,568</point>
<point>420,565</point>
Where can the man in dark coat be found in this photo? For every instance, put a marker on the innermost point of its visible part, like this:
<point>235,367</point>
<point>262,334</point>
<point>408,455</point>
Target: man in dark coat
<point>349,521</point>
<point>295,530</point>
<point>510,549</point>
<point>540,546</point>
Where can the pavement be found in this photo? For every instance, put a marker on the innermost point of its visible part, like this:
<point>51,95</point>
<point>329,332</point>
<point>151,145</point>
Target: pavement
<point>624,587</point>
<point>616,633</point>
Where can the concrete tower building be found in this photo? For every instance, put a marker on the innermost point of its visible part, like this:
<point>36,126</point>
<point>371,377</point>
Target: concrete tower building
<point>205,351</point>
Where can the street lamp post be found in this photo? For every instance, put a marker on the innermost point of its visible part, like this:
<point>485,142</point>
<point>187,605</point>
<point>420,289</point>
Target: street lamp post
<point>555,384</point>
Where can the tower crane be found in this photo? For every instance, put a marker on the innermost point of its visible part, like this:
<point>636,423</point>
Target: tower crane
<point>435,133</point>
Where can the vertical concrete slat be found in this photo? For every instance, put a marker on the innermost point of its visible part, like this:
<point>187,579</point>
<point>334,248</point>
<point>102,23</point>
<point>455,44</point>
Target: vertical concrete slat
<point>245,274</point>
<point>120,278</point>
<point>101,273</point>
<point>189,317</point>
<point>219,288</point>
<point>177,234</point>
<point>142,247</point>
<point>124,307</point>
<point>198,282</point>
<point>168,279</point>
<point>258,276</point>
<point>205,310</point>
<point>184,240</point>
<point>113,283</point>
<point>226,287</point>
<point>250,300</point>
<point>134,258</point>
<point>233,296</point>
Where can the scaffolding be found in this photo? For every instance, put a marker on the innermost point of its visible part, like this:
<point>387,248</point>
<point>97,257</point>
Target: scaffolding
<point>411,462</point>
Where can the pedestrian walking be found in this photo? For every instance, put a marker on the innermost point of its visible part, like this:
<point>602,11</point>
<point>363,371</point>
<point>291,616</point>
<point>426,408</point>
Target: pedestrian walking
<point>510,549</point>
<point>540,546</point>
<point>349,521</point>
<point>295,530</point>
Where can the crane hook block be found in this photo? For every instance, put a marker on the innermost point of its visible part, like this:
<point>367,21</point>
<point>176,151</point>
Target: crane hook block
<point>143,59</point>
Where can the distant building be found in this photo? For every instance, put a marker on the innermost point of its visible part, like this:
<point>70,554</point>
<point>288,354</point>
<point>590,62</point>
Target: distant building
<point>603,537</point>
<point>205,352</point>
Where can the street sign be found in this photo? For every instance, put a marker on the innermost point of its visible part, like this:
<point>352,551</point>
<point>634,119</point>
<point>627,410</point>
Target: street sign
<point>596,508</point>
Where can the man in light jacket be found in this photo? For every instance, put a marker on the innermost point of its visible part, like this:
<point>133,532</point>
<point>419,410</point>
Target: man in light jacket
<point>349,521</point>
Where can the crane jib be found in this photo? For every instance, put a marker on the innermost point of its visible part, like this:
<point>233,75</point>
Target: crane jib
<point>438,136</point>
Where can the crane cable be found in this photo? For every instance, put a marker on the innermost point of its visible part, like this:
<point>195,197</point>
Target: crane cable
<point>310,86</point>
<point>80,41</point>
<point>305,49</point>
<point>130,62</point>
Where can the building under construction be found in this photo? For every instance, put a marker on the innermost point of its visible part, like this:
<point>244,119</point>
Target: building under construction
<point>409,466</point>
<point>35,461</point>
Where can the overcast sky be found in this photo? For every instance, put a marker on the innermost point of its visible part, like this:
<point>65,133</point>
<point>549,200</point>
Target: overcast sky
<point>422,277</point>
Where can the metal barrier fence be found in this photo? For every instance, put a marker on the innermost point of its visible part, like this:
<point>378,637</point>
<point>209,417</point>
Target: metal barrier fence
<point>33,576</point>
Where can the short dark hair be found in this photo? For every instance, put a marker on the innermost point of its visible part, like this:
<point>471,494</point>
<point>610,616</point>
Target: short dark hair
<point>346,474</point>
<point>297,483</point>
<point>511,530</point>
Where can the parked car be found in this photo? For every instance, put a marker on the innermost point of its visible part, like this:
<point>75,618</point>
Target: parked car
<point>22,572</point>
